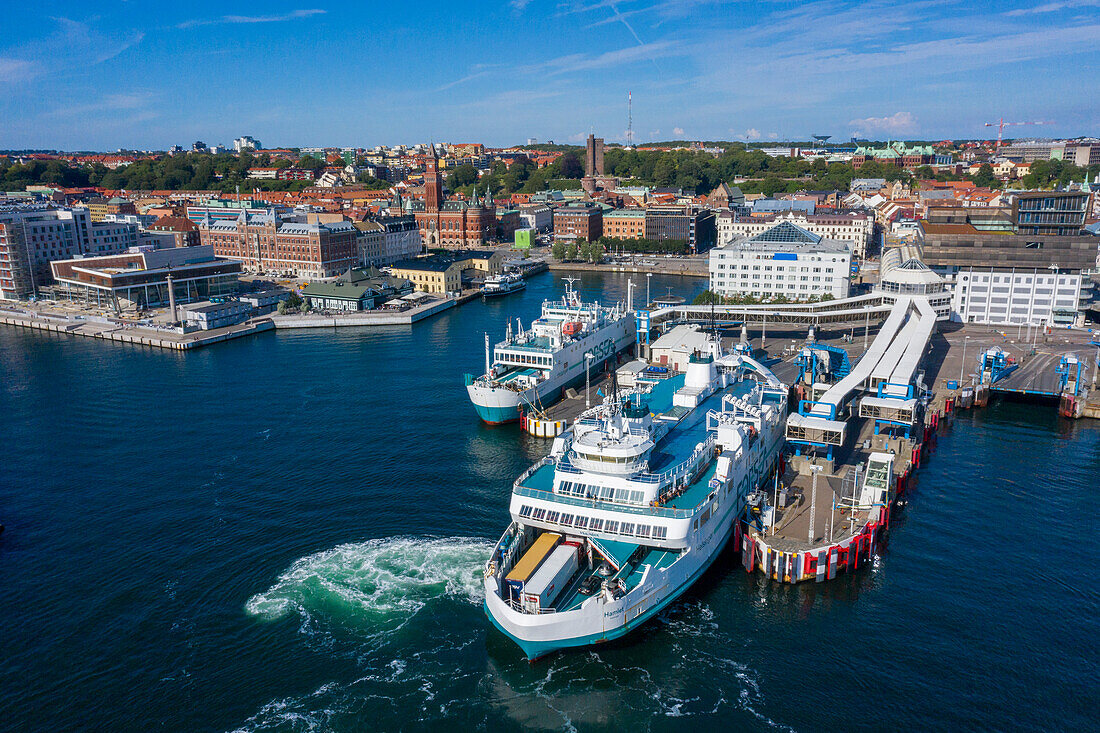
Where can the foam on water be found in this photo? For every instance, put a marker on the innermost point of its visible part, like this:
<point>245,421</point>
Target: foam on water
<point>379,580</point>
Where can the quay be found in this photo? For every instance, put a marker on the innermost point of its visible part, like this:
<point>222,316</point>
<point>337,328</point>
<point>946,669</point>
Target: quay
<point>129,333</point>
<point>374,317</point>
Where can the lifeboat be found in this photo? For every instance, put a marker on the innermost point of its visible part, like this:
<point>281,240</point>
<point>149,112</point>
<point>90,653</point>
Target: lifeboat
<point>571,328</point>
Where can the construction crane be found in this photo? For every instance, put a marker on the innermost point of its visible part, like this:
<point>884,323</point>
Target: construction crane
<point>1001,125</point>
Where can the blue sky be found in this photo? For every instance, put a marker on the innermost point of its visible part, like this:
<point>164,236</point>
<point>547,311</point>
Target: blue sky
<point>104,75</point>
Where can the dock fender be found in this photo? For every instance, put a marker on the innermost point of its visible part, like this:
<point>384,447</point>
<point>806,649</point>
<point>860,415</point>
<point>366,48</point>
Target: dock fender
<point>822,564</point>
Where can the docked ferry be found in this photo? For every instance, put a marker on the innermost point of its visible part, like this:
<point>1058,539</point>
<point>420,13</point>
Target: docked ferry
<point>633,504</point>
<point>532,368</point>
<point>503,284</point>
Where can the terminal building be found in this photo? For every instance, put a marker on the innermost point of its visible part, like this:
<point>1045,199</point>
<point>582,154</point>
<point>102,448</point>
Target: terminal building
<point>785,260</point>
<point>1023,264</point>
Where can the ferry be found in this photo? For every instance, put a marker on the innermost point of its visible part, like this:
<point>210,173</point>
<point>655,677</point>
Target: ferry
<point>533,367</point>
<point>503,284</point>
<point>634,503</point>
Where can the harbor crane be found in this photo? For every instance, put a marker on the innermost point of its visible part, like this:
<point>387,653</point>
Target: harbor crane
<point>1001,125</point>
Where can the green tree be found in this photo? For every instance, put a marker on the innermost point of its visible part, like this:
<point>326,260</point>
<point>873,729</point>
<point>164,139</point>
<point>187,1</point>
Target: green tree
<point>571,251</point>
<point>463,175</point>
<point>557,251</point>
<point>310,163</point>
<point>984,177</point>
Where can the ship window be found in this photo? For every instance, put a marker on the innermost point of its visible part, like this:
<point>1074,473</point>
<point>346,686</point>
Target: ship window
<point>525,511</point>
<point>596,524</point>
<point>539,514</point>
<point>627,528</point>
<point>660,533</point>
<point>552,516</point>
<point>612,526</point>
<point>643,530</point>
<point>567,519</point>
<point>582,522</point>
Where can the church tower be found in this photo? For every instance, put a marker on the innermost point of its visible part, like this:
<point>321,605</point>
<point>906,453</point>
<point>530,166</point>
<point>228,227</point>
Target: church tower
<point>433,184</point>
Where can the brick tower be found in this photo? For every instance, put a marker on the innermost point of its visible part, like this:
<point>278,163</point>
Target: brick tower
<point>433,184</point>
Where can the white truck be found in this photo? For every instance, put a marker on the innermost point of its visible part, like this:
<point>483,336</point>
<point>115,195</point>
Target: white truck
<point>544,587</point>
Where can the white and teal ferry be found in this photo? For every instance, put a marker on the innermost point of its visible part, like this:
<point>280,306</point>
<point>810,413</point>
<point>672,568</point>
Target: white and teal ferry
<point>532,368</point>
<point>633,504</point>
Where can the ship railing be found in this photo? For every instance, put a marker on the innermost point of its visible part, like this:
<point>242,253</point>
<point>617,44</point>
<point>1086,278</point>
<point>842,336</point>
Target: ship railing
<point>597,423</point>
<point>544,461</point>
<point>652,511</point>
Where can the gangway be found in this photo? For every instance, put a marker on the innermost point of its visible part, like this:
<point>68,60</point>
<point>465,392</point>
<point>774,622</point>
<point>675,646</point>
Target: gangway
<point>816,423</point>
<point>889,367</point>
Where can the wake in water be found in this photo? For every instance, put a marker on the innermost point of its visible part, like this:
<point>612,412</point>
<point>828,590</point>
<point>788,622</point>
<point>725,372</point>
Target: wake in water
<point>383,581</point>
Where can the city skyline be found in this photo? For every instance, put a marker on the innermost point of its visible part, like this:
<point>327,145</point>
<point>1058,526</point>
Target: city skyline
<point>338,74</point>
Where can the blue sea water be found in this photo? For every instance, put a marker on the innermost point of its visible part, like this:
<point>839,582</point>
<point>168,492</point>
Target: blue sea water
<point>285,533</point>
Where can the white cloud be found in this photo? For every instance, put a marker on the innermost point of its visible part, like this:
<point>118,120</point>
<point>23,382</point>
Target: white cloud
<point>677,131</point>
<point>293,15</point>
<point>899,122</point>
<point>578,137</point>
<point>13,70</point>
<point>751,134</point>
<point>1054,7</point>
<point>773,135</point>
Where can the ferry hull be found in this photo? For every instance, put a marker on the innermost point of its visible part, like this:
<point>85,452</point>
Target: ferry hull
<point>535,648</point>
<point>494,405</point>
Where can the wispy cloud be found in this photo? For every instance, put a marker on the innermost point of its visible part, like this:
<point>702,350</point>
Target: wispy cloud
<point>897,123</point>
<point>14,70</point>
<point>463,80</point>
<point>1054,7</point>
<point>586,62</point>
<point>231,19</point>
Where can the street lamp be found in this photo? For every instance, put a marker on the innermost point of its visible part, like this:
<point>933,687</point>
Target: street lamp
<point>866,325</point>
<point>588,357</point>
<point>813,504</point>
<point>1054,295</point>
<point>963,364</point>
<point>647,300</point>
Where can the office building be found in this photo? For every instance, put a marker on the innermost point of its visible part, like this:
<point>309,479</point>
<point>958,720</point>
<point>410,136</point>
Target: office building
<point>695,227</point>
<point>786,261</point>
<point>578,221</point>
<point>264,241</point>
<point>1022,264</point>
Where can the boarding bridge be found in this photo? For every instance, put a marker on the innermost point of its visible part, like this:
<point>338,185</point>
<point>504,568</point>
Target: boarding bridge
<point>888,368</point>
<point>1069,374</point>
<point>994,364</point>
